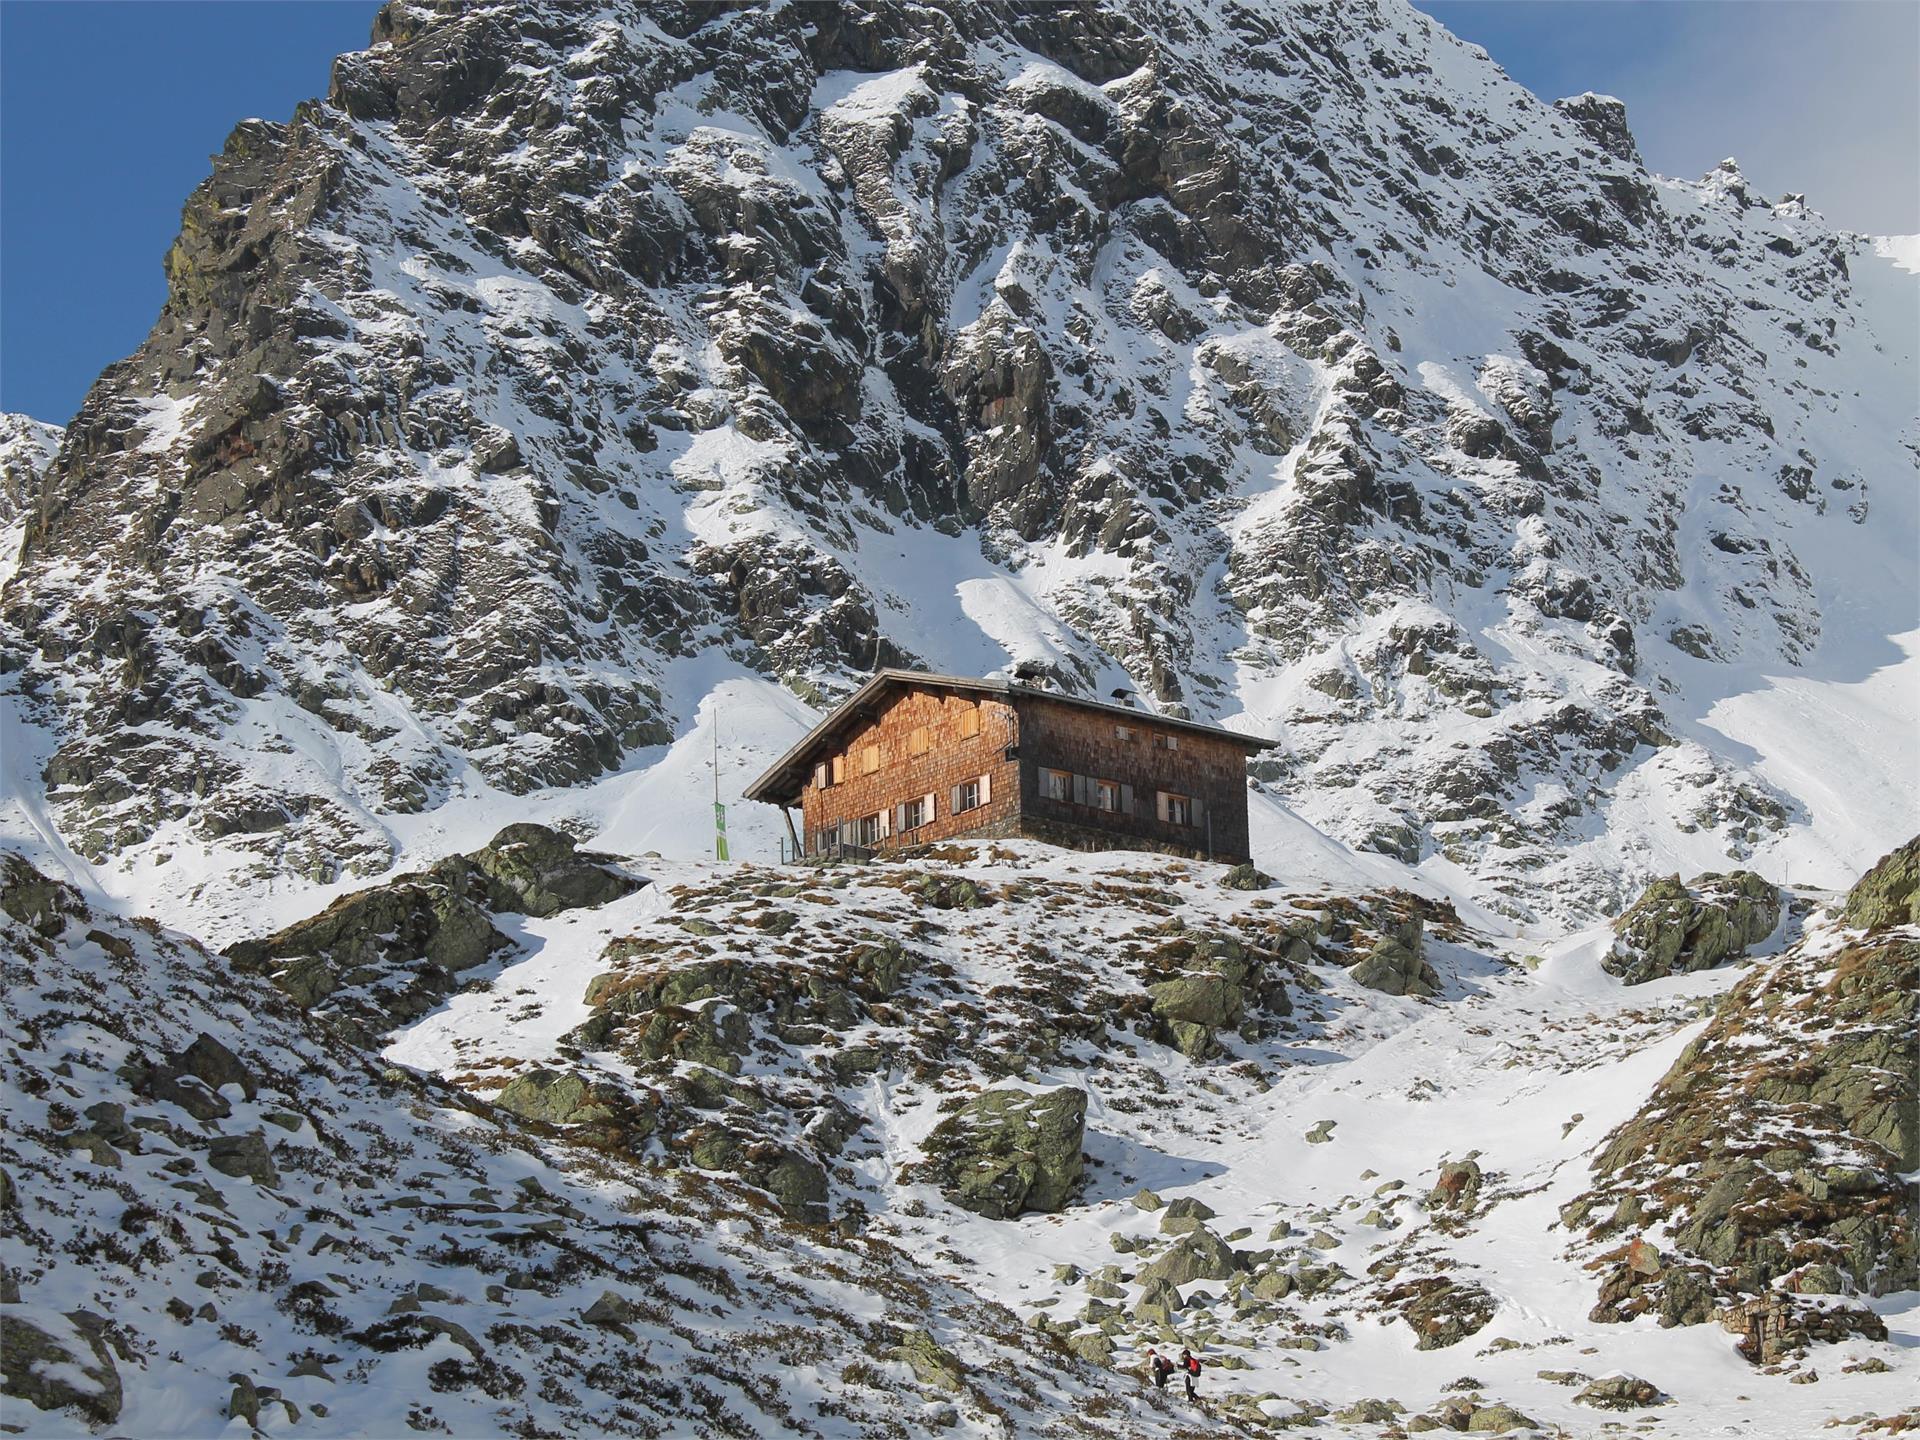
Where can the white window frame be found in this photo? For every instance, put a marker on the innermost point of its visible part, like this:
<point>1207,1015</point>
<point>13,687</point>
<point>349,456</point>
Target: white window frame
<point>1106,796</point>
<point>1064,777</point>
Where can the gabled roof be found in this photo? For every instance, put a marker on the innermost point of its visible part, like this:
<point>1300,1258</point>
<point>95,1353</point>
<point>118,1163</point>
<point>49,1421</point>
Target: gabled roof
<point>787,776</point>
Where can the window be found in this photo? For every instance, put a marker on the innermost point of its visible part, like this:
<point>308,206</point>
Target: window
<point>869,759</point>
<point>839,769</point>
<point>869,830</point>
<point>1175,809</point>
<point>1106,795</point>
<point>1056,784</point>
<point>820,781</point>
<point>972,794</point>
<point>918,741</point>
<point>1123,732</point>
<point>916,813</point>
<point>1166,742</point>
<point>969,722</point>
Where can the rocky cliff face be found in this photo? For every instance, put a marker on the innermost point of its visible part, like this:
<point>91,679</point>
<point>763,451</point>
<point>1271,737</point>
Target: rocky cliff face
<point>1294,367</point>
<point>27,448</point>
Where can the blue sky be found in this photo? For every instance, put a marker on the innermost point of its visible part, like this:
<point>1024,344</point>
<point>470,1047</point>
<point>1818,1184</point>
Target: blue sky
<point>108,114</point>
<point>109,111</point>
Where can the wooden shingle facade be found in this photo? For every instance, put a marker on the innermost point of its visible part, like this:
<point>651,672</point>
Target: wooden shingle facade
<point>912,759</point>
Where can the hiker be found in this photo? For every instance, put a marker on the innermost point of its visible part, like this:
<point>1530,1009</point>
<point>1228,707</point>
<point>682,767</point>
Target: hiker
<point>1189,1371</point>
<point>1159,1367</point>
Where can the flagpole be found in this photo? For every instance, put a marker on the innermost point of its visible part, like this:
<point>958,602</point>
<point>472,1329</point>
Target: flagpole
<point>719,810</point>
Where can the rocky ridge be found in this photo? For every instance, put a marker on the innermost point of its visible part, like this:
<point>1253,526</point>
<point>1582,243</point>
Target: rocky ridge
<point>1772,1165</point>
<point>562,342</point>
<point>383,956</point>
<point>872,1046</point>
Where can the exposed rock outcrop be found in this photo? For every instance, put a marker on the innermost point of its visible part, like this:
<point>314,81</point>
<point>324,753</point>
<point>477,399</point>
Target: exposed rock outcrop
<point>1008,1151</point>
<point>1677,927</point>
<point>1889,893</point>
<point>56,1362</point>
<point>386,955</point>
<point>1773,1151</point>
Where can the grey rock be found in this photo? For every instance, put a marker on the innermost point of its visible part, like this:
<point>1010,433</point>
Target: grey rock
<point>611,1309</point>
<point>57,1363</point>
<point>1677,927</point>
<point>244,1157</point>
<point>1009,1151</point>
<point>1198,1255</point>
<point>1620,1392</point>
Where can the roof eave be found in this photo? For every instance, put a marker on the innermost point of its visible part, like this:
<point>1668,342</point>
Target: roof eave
<point>783,782</point>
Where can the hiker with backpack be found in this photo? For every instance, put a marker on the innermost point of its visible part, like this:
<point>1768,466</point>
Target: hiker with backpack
<point>1189,1371</point>
<point>1159,1367</point>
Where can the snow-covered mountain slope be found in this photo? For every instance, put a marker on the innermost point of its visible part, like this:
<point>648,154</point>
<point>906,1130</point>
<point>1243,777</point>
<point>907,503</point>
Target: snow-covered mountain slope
<point>1394,1192</point>
<point>578,379</point>
<point>210,1208</point>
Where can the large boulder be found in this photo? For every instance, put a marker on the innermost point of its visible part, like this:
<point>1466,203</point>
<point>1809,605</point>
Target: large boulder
<point>1676,927</point>
<point>1441,1312</point>
<point>1395,968</point>
<point>58,1362</point>
<point>385,955</point>
<point>796,1181</point>
<point>1010,1150</point>
<point>1198,1255</point>
<point>379,957</point>
<point>1206,999</point>
<point>712,1033</point>
<point>1889,893</point>
<point>533,870</point>
<point>559,1097</point>
<point>245,1157</point>
<point>1620,1391</point>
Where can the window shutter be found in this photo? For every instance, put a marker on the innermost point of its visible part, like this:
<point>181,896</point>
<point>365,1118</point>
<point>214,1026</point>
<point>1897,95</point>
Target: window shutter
<point>986,789</point>
<point>1199,810</point>
<point>1080,790</point>
<point>926,815</point>
<point>1126,801</point>
<point>820,776</point>
<point>953,801</point>
<point>886,824</point>
<point>1160,805</point>
<point>900,818</point>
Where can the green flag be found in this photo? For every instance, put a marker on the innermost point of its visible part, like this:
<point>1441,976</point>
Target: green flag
<point>719,831</point>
